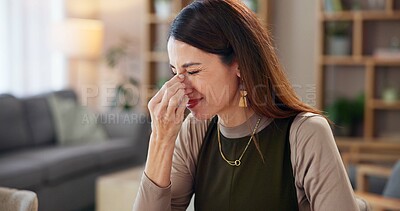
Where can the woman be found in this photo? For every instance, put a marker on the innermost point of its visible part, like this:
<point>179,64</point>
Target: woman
<point>248,143</point>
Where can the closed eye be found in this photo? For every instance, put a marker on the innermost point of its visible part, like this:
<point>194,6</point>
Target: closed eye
<point>193,72</point>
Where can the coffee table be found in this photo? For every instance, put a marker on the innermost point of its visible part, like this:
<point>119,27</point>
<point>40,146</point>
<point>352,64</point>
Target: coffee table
<point>117,191</point>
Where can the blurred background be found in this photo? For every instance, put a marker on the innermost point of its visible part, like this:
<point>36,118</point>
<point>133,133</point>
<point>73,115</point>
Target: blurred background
<point>92,65</point>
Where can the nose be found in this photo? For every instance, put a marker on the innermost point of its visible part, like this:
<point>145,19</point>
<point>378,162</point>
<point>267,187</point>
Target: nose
<point>188,84</point>
<point>186,80</point>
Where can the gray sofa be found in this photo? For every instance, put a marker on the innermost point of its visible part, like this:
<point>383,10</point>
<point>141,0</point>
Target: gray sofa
<point>63,177</point>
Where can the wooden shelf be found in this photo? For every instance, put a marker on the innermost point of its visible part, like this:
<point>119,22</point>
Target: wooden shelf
<point>387,140</point>
<point>385,62</point>
<point>343,60</point>
<point>360,144</point>
<point>380,16</point>
<point>349,141</point>
<point>337,16</point>
<point>382,105</point>
<point>366,36</point>
<point>356,60</point>
<point>364,15</point>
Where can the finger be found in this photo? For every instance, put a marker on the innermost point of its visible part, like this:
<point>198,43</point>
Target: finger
<point>188,91</point>
<point>174,102</point>
<point>171,91</point>
<point>162,106</point>
<point>180,111</point>
<point>159,95</point>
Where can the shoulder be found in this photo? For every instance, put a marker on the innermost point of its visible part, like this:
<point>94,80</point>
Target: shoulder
<point>311,134</point>
<point>311,131</point>
<point>307,122</point>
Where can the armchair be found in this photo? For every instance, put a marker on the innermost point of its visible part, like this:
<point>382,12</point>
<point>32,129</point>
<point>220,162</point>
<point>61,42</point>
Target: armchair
<point>390,197</point>
<point>17,200</point>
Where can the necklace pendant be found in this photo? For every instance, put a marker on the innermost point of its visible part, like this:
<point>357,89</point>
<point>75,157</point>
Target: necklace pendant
<point>236,162</point>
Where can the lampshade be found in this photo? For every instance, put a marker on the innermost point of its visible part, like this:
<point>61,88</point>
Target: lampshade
<point>78,38</point>
<point>82,9</point>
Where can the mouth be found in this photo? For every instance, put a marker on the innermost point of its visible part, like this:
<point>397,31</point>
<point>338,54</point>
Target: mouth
<point>193,103</point>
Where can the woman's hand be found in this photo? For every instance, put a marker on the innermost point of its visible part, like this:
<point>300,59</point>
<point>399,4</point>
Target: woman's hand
<point>167,109</point>
<point>167,112</point>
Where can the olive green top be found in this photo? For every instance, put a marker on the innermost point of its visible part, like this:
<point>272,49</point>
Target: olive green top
<point>253,185</point>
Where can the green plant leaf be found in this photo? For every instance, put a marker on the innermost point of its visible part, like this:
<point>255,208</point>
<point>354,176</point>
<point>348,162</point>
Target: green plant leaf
<point>337,28</point>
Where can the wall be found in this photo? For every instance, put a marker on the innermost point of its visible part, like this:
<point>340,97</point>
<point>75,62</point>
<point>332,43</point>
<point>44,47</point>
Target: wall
<point>294,26</point>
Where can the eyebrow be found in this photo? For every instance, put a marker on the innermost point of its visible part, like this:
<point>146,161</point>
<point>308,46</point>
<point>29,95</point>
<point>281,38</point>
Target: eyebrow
<point>186,65</point>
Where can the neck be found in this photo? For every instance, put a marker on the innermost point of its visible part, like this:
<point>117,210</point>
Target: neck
<point>236,116</point>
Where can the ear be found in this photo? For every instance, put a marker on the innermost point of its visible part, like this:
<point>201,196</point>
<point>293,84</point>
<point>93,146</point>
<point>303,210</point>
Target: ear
<point>235,68</point>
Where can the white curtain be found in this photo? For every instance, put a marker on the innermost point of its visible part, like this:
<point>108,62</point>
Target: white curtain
<point>28,65</point>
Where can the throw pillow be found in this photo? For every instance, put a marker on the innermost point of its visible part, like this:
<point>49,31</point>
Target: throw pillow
<point>74,123</point>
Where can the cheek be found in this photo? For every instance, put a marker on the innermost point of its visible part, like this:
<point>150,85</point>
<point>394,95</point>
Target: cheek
<point>198,86</point>
<point>220,94</point>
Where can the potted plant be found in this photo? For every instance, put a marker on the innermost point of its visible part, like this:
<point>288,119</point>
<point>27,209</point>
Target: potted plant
<point>390,95</point>
<point>347,115</point>
<point>338,39</point>
<point>127,90</point>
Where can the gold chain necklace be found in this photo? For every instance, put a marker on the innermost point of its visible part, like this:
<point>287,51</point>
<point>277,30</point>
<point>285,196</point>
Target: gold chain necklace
<point>236,162</point>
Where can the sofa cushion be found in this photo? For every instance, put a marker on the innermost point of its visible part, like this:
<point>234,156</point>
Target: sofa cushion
<point>123,124</point>
<point>134,126</point>
<point>19,172</point>
<point>14,132</point>
<point>40,121</point>
<point>114,151</point>
<point>61,162</point>
<point>75,125</point>
<point>39,117</point>
<point>66,94</point>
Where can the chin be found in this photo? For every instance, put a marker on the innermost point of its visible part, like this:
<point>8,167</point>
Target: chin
<point>201,115</point>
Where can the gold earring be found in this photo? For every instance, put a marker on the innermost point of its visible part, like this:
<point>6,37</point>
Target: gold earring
<point>243,97</point>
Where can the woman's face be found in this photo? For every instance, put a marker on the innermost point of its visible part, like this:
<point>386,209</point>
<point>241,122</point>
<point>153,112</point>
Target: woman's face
<point>212,86</point>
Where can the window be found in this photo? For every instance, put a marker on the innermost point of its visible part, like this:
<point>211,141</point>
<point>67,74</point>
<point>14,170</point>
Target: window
<point>28,65</point>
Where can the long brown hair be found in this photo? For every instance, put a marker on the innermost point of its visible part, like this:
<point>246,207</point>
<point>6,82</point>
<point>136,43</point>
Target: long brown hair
<point>229,29</point>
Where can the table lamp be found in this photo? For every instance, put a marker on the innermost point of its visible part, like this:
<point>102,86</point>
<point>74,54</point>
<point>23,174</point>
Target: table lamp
<point>80,40</point>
